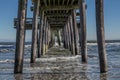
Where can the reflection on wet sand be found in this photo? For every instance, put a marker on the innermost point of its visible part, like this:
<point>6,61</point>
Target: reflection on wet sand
<point>63,76</point>
<point>18,77</point>
<point>104,76</point>
<point>66,71</point>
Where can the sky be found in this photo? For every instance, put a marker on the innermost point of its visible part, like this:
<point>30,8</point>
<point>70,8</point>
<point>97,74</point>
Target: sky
<point>8,11</point>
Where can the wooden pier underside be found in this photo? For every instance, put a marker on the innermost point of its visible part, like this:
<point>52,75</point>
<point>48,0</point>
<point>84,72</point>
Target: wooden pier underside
<point>65,19</point>
<point>56,12</point>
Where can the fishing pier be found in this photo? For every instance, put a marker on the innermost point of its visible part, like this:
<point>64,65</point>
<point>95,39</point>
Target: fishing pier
<point>65,19</point>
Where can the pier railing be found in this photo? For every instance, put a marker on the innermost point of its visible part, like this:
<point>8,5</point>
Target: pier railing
<point>28,25</point>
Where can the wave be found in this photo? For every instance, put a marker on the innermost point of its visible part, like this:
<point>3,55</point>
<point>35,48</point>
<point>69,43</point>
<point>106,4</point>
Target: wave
<point>114,43</point>
<point>27,46</point>
<point>7,60</point>
<point>6,46</point>
<point>91,43</point>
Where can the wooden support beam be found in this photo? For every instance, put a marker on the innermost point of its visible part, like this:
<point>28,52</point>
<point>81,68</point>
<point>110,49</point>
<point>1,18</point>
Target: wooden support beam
<point>43,39</point>
<point>53,2</point>
<point>53,8</point>
<point>58,18</point>
<point>56,27</point>
<point>83,31</point>
<point>69,35</point>
<point>40,34</point>
<point>20,36</point>
<point>66,37</point>
<point>52,25</point>
<point>63,1</point>
<point>56,15</point>
<point>68,2</point>
<point>59,37</point>
<point>46,37</point>
<point>79,32</point>
<point>49,3</point>
<point>57,24</point>
<point>72,35</point>
<point>72,2</point>
<point>101,36</point>
<point>58,2</point>
<point>52,41</point>
<point>45,2</point>
<point>35,31</point>
<point>75,31</point>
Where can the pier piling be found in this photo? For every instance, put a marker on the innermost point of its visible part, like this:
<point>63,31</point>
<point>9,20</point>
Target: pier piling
<point>35,31</point>
<point>83,31</point>
<point>100,35</point>
<point>20,36</point>
<point>75,32</point>
<point>72,35</point>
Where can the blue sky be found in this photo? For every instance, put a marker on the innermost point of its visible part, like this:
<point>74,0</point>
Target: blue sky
<point>8,10</point>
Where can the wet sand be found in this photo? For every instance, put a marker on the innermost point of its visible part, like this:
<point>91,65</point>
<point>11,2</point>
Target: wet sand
<point>59,65</point>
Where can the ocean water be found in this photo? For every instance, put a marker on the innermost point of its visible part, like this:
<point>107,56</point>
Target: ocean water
<point>7,53</point>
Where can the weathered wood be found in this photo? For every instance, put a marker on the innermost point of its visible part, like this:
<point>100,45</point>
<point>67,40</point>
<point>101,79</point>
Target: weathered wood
<point>66,37</point>
<point>49,36</point>
<point>52,41</point>
<point>34,31</point>
<point>58,23</point>
<point>75,32</point>
<point>40,34</point>
<point>45,2</point>
<point>79,32</point>
<point>20,37</point>
<point>59,37</point>
<point>101,36</point>
<point>72,1</point>
<point>68,2</point>
<point>43,40</point>
<point>63,38</point>
<point>83,31</point>
<point>48,8</point>
<point>69,35</point>
<point>46,37</point>
<point>53,3</point>
<point>72,35</point>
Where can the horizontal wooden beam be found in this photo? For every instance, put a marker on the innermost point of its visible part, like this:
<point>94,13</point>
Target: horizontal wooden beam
<point>59,19</point>
<point>57,23</point>
<point>46,8</point>
<point>55,28</point>
<point>57,15</point>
